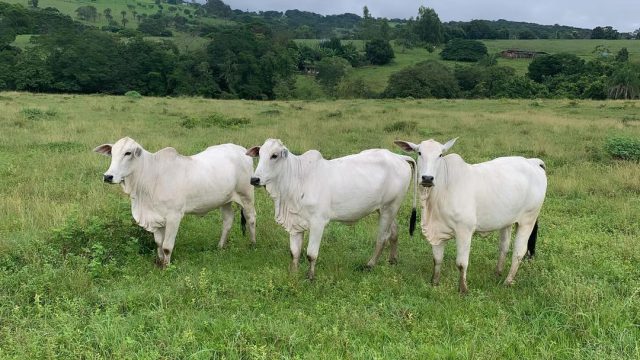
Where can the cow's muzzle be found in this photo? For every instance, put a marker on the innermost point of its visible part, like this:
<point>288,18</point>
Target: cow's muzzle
<point>255,181</point>
<point>108,179</point>
<point>427,181</point>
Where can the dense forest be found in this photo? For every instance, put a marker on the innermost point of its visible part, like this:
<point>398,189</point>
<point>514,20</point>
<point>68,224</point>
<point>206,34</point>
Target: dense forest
<point>254,56</point>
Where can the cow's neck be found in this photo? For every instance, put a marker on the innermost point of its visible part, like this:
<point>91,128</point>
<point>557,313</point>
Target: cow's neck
<point>140,182</point>
<point>435,199</point>
<point>286,192</point>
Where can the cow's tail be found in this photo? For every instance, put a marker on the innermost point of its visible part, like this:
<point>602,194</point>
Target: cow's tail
<point>531,244</point>
<point>414,213</point>
<point>243,222</point>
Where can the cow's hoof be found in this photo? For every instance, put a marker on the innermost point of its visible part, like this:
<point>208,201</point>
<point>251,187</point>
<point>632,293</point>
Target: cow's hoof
<point>393,261</point>
<point>509,282</point>
<point>464,290</point>
<point>498,273</point>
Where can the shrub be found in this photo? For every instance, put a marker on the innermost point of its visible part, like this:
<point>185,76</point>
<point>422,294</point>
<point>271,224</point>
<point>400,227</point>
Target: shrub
<point>423,80</point>
<point>37,114</point>
<point>408,127</point>
<point>104,243</point>
<point>379,52</point>
<point>464,50</point>
<point>133,94</point>
<point>331,70</point>
<point>354,89</point>
<point>623,148</point>
<point>215,119</point>
<point>552,65</point>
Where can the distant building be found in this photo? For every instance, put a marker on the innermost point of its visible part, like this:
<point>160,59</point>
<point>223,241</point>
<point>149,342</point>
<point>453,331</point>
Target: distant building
<point>521,54</point>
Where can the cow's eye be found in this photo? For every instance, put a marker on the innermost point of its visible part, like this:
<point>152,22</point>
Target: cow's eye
<point>127,153</point>
<point>419,153</point>
<point>274,156</point>
<point>440,155</point>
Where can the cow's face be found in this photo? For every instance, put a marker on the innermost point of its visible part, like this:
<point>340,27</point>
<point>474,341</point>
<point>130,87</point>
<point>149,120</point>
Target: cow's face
<point>430,154</point>
<point>124,158</point>
<point>272,155</point>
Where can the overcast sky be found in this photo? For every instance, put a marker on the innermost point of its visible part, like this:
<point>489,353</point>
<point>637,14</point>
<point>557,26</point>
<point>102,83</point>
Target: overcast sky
<point>623,15</point>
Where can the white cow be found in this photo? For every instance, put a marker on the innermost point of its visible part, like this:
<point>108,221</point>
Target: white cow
<point>310,191</point>
<point>165,185</point>
<point>459,199</point>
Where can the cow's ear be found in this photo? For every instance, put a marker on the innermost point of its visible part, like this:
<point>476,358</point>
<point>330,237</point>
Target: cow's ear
<point>254,151</point>
<point>285,153</point>
<point>137,152</point>
<point>104,149</point>
<point>406,145</point>
<point>448,145</point>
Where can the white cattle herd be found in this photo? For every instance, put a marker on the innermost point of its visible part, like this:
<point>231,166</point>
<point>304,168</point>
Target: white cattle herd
<point>456,199</point>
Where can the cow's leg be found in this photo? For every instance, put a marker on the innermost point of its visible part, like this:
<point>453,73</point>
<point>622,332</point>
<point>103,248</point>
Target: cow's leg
<point>295,243</point>
<point>438,256</point>
<point>158,237</point>
<point>170,232</point>
<point>393,240</point>
<point>249,211</point>
<point>519,249</point>
<point>227,222</point>
<point>463,247</point>
<point>315,236</point>
<point>503,247</point>
<point>386,219</point>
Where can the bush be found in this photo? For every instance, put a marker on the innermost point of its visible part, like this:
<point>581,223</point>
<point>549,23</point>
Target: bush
<point>464,50</point>
<point>331,70</point>
<point>215,119</point>
<point>408,127</point>
<point>379,52</point>
<point>106,244</point>
<point>423,80</point>
<point>354,89</point>
<point>623,148</point>
<point>552,65</point>
<point>133,95</point>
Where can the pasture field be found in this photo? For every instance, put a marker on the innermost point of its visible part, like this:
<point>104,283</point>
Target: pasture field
<point>77,278</point>
<point>376,77</point>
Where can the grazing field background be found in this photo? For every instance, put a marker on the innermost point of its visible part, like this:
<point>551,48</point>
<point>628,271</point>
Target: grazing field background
<point>77,278</point>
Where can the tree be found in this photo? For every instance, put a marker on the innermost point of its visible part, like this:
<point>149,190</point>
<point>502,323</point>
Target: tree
<point>624,83</point>
<point>464,50</point>
<point>526,35</point>
<point>123,13</point>
<point>479,29</point>
<point>623,55</point>
<point>34,3</point>
<point>218,8</point>
<point>423,80</point>
<point>87,12</point>
<point>428,26</point>
<point>331,70</point>
<point>606,32</point>
<point>107,13</point>
<point>552,65</point>
<point>124,22</point>
<point>7,34</point>
<point>379,52</point>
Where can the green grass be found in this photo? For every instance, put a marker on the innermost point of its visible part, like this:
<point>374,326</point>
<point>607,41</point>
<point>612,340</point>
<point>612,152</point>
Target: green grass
<point>580,298</point>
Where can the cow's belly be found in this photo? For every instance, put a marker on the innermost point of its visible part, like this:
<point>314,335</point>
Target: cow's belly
<point>200,205</point>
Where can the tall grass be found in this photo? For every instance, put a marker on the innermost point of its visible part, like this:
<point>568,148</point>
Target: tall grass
<point>77,278</point>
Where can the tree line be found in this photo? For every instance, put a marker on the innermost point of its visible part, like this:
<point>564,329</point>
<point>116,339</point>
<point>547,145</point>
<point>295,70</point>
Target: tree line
<point>256,60</point>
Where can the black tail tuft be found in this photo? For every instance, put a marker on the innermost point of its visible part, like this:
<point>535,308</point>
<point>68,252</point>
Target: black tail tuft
<point>243,222</point>
<point>531,245</point>
<point>412,222</point>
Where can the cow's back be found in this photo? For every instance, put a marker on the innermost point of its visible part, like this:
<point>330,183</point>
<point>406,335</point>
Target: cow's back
<point>211,177</point>
<point>370,179</point>
<point>506,189</point>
